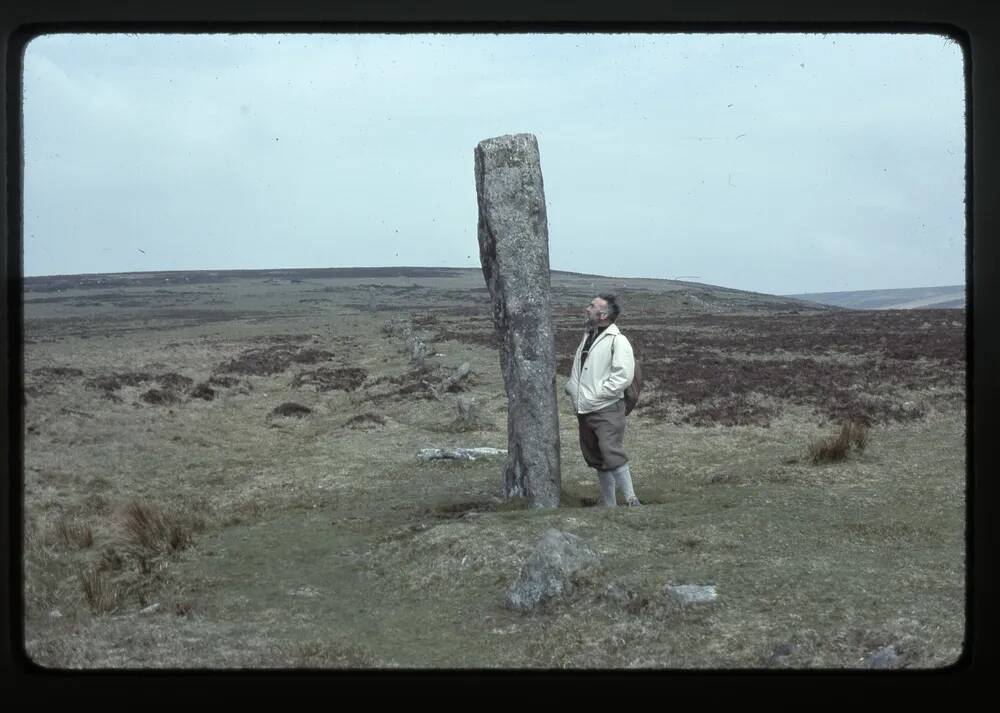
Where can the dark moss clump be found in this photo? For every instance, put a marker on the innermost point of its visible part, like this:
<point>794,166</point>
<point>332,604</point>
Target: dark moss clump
<point>170,380</point>
<point>57,372</point>
<point>160,397</point>
<point>290,409</point>
<point>365,421</point>
<point>272,360</point>
<point>115,381</point>
<point>322,379</point>
<point>203,391</point>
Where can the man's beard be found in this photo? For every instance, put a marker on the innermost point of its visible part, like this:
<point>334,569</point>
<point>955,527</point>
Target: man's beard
<point>590,323</point>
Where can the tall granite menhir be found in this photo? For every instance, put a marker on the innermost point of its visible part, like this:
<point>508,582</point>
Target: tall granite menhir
<point>514,251</point>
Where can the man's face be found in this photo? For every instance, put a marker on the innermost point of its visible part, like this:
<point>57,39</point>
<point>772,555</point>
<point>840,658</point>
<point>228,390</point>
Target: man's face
<point>595,312</point>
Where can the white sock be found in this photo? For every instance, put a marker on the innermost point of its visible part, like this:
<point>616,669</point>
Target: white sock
<point>624,480</point>
<point>607,487</point>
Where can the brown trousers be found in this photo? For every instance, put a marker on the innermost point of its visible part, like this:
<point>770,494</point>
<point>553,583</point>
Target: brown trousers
<point>601,436</point>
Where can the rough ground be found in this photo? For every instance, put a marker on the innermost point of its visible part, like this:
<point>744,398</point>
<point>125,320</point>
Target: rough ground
<point>221,471</point>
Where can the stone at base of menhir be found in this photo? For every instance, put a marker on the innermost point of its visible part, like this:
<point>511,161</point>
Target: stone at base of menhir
<point>548,571</point>
<point>458,453</point>
<point>693,593</point>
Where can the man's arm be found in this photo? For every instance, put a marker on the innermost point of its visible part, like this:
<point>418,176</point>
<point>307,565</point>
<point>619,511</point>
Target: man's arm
<point>621,371</point>
<point>568,386</point>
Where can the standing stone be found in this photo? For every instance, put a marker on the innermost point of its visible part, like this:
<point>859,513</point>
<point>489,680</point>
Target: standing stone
<point>514,251</point>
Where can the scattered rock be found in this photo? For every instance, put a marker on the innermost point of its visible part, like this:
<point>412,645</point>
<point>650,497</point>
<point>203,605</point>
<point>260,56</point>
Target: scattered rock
<point>466,408</point>
<point>151,609</point>
<point>549,570</point>
<point>629,599</point>
<point>396,327</point>
<point>886,657</point>
<point>417,348</point>
<point>693,593</point>
<point>454,382</point>
<point>458,453</point>
<point>469,418</point>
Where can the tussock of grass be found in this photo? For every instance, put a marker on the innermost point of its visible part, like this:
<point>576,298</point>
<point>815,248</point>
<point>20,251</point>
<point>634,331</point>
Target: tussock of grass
<point>102,596</point>
<point>859,435</point>
<point>835,448</point>
<point>152,529</point>
<point>73,534</point>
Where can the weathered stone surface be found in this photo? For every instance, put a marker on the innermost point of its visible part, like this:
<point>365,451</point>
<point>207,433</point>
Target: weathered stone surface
<point>693,593</point>
<point>514,252</point>
<point>886,657</point>
<point>548,571</point>
<point>466,408</point>
<point>458,453</point>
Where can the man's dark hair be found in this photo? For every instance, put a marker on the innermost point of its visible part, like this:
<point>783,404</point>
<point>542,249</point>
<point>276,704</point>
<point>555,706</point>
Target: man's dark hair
<point>614,309</point>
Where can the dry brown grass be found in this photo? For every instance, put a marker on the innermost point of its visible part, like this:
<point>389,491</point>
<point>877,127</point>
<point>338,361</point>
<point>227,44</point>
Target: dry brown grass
<point>73,534</point>
<point>102,596</point>
<point>835,448</point>
<point>153,529</point>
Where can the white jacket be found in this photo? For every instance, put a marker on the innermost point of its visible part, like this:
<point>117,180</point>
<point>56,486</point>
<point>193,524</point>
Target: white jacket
<point>603,379</point>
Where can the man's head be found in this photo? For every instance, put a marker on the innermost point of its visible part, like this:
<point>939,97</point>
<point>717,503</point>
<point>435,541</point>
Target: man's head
<point>602,311</point>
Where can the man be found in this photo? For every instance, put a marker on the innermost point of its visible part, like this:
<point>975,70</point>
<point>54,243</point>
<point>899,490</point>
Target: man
<point>602,369</point>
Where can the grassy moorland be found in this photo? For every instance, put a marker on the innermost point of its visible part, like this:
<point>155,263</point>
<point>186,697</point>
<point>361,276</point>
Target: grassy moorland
<point>221,471</point>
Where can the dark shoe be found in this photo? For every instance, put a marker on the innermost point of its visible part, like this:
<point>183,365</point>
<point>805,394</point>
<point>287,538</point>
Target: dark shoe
<point>633,502</point>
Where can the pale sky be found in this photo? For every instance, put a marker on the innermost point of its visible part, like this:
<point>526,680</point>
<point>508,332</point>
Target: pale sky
<point>778,163</point>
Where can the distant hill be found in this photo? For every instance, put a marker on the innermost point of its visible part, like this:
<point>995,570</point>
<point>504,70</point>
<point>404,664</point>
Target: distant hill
<point>673,296</point>
<point>952,296</point>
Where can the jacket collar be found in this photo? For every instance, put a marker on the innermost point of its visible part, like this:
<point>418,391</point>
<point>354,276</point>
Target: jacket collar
<point>612,329</point>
